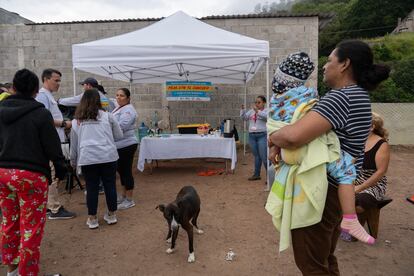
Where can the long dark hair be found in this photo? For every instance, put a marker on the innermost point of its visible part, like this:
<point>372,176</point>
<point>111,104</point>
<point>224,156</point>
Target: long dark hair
<point>89,106</point>
<point>263,98</point>
<point>367,74</point>
<point>126,92</point>
<point>26,83</point>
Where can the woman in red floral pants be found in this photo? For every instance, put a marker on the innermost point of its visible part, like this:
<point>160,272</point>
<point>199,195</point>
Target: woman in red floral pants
<point>28,140</point>
<point>23,198</point>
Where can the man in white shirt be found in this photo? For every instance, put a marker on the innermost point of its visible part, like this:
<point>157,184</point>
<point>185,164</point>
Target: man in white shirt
<point>51,79</point>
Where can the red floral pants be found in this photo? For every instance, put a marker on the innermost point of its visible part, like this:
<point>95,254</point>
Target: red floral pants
<point>23,198</point>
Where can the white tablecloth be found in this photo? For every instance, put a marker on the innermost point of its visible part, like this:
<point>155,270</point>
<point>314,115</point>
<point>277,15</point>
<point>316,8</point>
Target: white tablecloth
<point>186,146</point>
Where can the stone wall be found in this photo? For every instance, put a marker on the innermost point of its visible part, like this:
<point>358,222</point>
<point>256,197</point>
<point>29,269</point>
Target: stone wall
<point>49,45</point>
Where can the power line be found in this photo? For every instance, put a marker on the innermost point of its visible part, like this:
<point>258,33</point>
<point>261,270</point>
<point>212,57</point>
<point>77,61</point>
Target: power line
<point>360,30</point>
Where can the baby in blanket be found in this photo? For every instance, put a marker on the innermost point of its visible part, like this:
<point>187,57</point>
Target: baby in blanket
<point>289,92</point>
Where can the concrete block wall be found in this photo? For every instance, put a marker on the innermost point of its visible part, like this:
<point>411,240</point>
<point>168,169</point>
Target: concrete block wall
<point>37,47</point>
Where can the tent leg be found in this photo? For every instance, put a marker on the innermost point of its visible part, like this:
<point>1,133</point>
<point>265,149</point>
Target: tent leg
<point>130,80</point>
<point>244,122</point>
<point>267,106</point>
<point>74,81</point>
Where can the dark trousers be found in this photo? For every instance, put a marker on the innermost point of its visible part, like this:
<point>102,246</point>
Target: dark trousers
<point>94,174</point>
<point>314,246</point>
<point>124,167</point>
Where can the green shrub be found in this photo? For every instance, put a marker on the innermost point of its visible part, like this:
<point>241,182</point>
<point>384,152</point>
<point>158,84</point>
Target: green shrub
<point>389,92</point>
<point>403,76</point>
<point>322,87</point>
<point>397,51</point>
<point>382,52</point>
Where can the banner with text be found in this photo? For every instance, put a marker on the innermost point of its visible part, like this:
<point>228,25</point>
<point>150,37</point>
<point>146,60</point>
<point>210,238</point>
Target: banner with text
<point>188,91</point>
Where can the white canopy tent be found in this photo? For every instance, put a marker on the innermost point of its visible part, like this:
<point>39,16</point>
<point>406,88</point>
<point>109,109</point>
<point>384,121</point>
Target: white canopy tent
<point>178,47</point>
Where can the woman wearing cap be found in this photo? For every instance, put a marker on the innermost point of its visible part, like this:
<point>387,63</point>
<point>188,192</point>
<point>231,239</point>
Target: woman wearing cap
<point>346,110</point>
<point>88,83</point>
<point>126,116</point>
<point>257,117</point>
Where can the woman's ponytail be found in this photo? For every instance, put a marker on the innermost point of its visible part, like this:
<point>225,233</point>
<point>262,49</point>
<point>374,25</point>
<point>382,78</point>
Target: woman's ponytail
<point>370,78</point>
<point>365,73</point>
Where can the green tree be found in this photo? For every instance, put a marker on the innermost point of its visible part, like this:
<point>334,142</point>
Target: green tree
<point>389,92</point>
<point>379,16</point>
<point>320,6</point>
<point>273,7</point>
<point>322,87</point>
<point>355,18</point>
<point>382,52</point>
<point>403,76</point>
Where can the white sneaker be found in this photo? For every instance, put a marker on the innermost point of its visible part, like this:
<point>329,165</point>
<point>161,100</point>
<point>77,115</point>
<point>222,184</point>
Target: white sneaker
<point>119,199</point>
<point>14,272</point>
<point>92,223</point>
<point>110,219</point>
<point>125,204</point>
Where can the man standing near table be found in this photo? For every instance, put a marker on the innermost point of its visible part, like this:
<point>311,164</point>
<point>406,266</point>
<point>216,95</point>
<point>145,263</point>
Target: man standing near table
<point>51,79</point>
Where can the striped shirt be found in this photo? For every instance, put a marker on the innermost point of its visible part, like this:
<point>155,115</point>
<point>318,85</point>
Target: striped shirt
<point>349,112</point>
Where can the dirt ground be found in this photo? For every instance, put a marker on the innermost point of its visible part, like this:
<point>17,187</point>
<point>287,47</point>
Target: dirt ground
<point>232,216</point>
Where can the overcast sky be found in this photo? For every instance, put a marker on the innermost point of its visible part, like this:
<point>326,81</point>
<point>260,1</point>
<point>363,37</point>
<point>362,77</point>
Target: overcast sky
<point>72,10</point>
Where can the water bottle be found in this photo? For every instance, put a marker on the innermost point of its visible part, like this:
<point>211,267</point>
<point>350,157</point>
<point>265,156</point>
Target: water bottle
<point>142,131</point>
<point>222,127</point>
<point>155,119</point>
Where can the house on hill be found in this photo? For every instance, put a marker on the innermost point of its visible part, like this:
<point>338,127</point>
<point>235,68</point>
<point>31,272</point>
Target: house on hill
<point>405,25</point>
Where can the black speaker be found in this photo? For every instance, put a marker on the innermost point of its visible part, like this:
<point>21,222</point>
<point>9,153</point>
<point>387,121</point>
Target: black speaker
<point>68,112</point>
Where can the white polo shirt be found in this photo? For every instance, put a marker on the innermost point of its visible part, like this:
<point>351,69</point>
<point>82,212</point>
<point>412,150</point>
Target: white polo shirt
<point>45,97</point>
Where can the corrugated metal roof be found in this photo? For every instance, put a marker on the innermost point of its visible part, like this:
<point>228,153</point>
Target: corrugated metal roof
<point>98,21</point>
<point>238,16</point>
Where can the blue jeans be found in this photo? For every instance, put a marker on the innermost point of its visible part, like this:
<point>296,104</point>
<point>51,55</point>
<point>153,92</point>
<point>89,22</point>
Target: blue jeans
<point>93,174</point>
<point>258,144</point>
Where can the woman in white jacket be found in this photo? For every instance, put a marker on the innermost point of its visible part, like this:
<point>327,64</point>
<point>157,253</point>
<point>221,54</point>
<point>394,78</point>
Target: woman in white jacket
<point>126,116</point>
<point>93,148</point>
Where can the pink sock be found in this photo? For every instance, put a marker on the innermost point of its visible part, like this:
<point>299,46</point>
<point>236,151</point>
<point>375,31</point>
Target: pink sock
<point>351,225</point>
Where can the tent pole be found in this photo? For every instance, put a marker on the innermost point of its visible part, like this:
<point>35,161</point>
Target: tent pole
<point>267,106</point>
<point>74,81</point>
<point>244,122</point>
<point>267,83</point>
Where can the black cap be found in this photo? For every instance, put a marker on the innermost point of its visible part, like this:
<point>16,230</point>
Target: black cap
<point>90,81</point>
